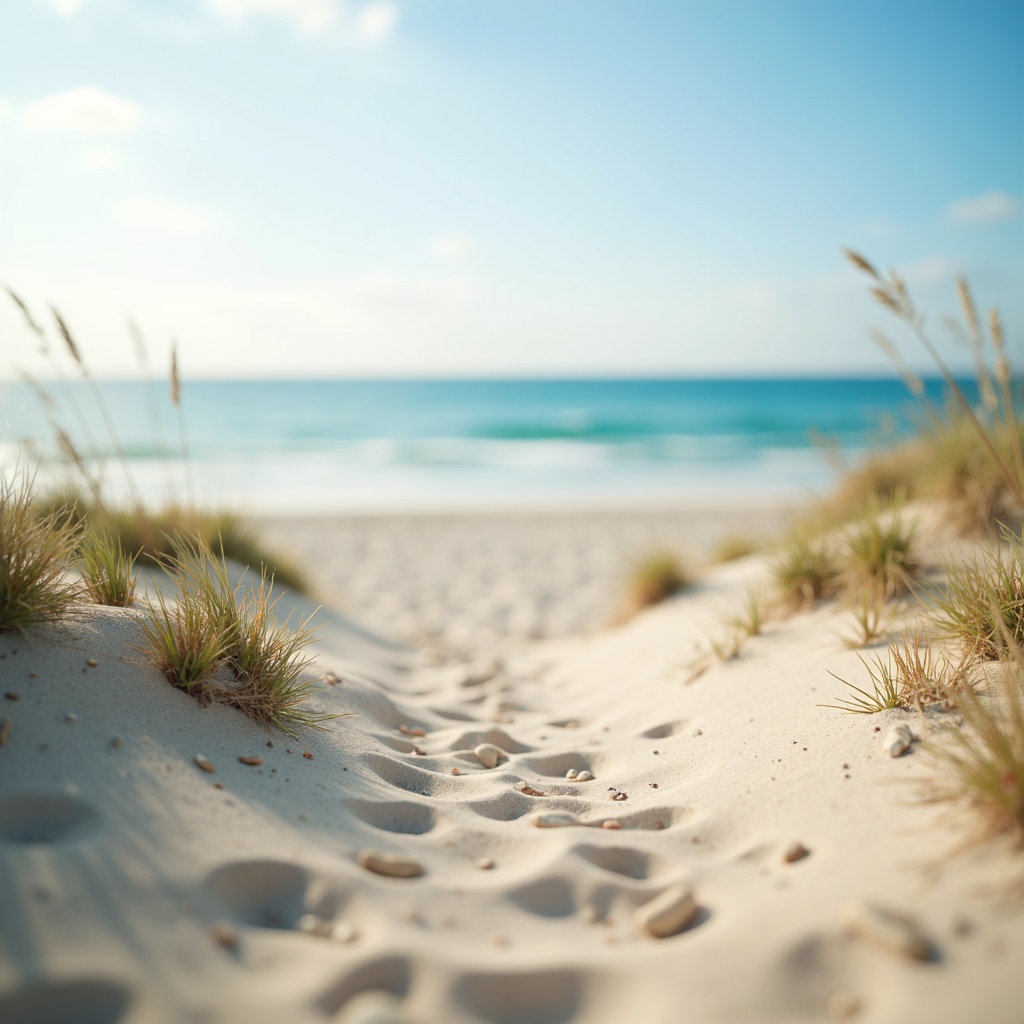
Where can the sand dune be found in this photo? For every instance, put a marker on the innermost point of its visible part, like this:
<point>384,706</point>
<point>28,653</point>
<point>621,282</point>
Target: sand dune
<point>139,887</point>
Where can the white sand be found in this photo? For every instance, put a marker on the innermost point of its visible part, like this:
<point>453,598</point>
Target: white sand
<point>135,890</point>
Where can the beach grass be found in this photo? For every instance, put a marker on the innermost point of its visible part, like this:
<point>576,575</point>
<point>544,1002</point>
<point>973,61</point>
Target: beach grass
<point>108,572</point>
<point>222,642</point>
<point>37,558</point>
<point>981,605</point>
<point>655,576</point>
<point>804,569</point>
<point>879,548</point>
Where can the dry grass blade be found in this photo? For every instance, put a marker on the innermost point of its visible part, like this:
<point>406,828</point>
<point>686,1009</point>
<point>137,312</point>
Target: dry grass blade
<point>982,603</point>
<point>33,324</point>
<point>107,571</point>
<point>69,341</point>
<point>886,691</point>
<point>979,766</point>
<point>861,263</point>
<point>37,555</point>
<point>873,615</point>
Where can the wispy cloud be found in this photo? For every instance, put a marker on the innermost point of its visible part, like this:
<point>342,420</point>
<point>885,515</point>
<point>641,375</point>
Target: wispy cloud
<point>376,21</point>
<point>308,17</point>
<point>148,213</point>
<point>451,247</point>
<point>83,110</point>
<point>987,208</point>
<point>66,8</point>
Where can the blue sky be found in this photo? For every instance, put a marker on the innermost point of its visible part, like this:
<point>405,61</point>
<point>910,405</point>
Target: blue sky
<point>504,186</point>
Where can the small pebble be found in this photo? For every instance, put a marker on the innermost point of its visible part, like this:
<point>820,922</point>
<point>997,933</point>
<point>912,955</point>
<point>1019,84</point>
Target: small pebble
<point>373,1006</point>
<point>343,932</point>
<point>553,819</point>
<point>488,754</point>
<point>5,730</point>
<point>204,765</point>
<point>313,925</point>
<point>254,761</point>
<point>307,755</point>
<point>224,935</point>
<point>618,796</point>
<point>455,771</point>
<point>393,865</point>
<point>898,740</point>
<point>610,824</point>
<point>485,863</point>
<point>584,776</point>
<point>92,662</point>
<point>11,696</point>
<point>668,913</point>
<point>571,774</point>
<point>406,730</point>
<point>842,1005</point>
<point>887,929</point>
<point>218,785</point>
<point>530,791</point>
<point>795,852</point>
<point>115,743</point>
<point>72,717</point>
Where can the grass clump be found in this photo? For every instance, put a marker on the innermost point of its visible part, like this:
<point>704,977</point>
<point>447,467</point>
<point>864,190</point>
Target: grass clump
<point>912,674</point>
<point>873,615</point>
<point>982,603</point>
<point>223,643</point>
<point>979,767</point>
<point>108,573</point>
<point>655,576</point>
<point>732,547</point>
<point>878,549</point>
<point>804,569</point>
<point>36,557</point>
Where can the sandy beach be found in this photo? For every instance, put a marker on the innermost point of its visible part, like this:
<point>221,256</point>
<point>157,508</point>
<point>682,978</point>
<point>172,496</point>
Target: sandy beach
<point>739,854</point>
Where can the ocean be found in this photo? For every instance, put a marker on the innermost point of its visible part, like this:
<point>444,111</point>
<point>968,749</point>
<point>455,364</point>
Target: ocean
<point>319,446</point>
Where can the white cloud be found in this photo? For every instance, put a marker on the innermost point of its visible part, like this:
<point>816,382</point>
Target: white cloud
<point>99,158</point>
<point>376,21</point>
<point>83,110</point>
<point>5,109</point>
<point>147,213</point>
<point>66,8</point>
<point>986,208</point>
<point>450,248</point>
<point>307,16</point>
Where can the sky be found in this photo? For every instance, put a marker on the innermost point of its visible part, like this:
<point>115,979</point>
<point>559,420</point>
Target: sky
<point>505,187</point>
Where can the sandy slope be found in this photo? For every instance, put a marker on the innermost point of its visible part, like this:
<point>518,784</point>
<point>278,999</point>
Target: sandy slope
<point>138,888</point>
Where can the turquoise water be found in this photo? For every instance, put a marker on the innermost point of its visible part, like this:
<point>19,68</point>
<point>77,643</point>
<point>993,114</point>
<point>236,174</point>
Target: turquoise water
<point>317,446</point>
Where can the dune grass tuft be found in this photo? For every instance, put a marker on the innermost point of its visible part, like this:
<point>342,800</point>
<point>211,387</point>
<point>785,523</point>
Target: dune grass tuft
<point>732,547</point>
<point>108,573</point>
<point>912,674</point>
<point>873,615</point>
<point>878,549</point>
<point>982,603</point>
<point>656,575</point>
<point>804,569</point>
<point>223,643</point>
<point>978,767</point>
<point>37,554</point>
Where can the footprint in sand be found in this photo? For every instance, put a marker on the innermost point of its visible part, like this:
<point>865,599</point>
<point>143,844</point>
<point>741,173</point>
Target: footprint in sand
<point>273,894</point>
<point>547,897</point>
<point>79,1001</point>
<point>533,997</point>
<point>412,780</point>
<point>395,816</point>
<point>496,737</point>
<point>666,729</point>
<point>389,974</point>
<point>46,818</point>
<point>621,860</point>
